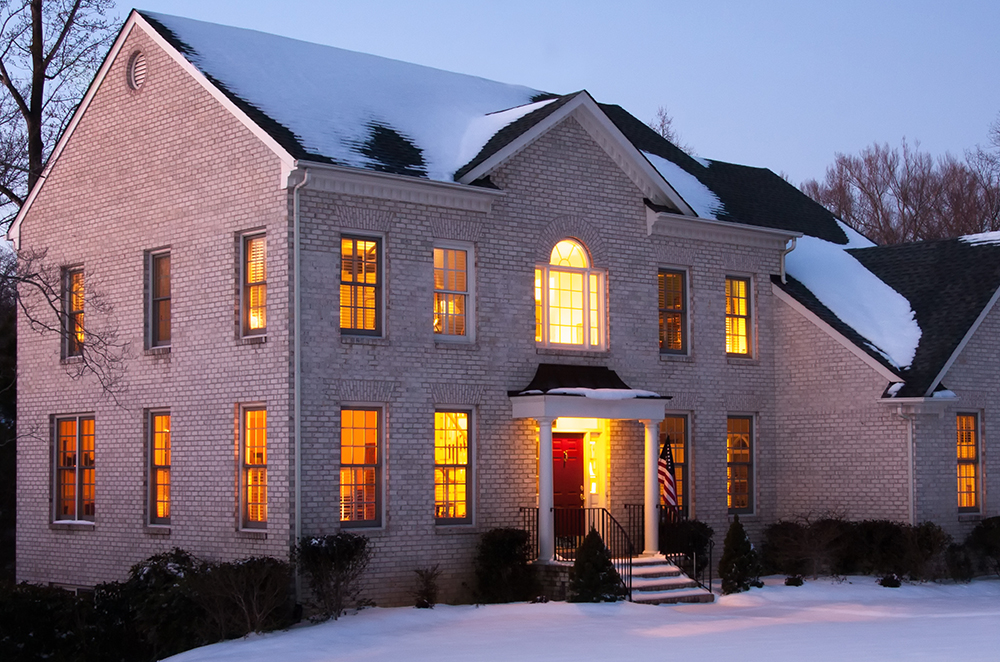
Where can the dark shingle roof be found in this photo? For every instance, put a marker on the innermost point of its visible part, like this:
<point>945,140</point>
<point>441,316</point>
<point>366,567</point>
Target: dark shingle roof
<point>753,196</point>
<point>550,376</point>
<point>948,283</point>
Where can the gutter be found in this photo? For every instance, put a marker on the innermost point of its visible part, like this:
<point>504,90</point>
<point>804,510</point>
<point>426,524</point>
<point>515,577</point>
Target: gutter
<point>784,252</point>
<point>297,366</point>
<point>909,463</point>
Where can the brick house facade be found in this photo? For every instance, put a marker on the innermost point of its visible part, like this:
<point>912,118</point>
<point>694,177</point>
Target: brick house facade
<point>184,166</point>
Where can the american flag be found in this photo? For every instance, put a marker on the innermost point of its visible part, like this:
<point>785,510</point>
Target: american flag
<point>665,470</point>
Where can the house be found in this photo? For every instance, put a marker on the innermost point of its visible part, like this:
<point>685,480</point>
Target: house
<point>365,295</point>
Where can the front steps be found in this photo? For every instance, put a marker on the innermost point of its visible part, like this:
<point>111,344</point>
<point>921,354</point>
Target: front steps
<point>656,581</point>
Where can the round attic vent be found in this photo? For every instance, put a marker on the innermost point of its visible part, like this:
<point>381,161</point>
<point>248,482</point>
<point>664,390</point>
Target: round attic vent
<point>136,72</point>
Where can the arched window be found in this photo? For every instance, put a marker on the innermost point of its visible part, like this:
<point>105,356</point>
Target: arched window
<point>569,299</point>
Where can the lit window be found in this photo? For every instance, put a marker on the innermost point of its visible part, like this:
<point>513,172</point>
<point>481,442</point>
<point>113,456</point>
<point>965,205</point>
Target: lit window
<point>675,429</point>
<point>452,293</point>
<point>254,285</point>
<point>360,467</point>
<point>75,468</point>
<point>451,465</point>
<point>737,315</point>
<point>73,300</point>
<point>673,312</point>
<point>968,463</point>
<point>254,468</point>
<point>159,300</point>
<point>569,300</point>
<point>159,467</point>
<point>360,286</point>
<point>739,463</point>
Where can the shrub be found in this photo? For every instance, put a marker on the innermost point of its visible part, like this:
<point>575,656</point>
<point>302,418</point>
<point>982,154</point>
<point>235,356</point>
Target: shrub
<point>926,546</point>
<point>794,580</point>
<point>784,549</point>
<point>691,537</point>
<point>502,570</point>
<point>426,594</point>
<point>891,580</point>
<point>739,567</point>
<point>240,597</point>
<point>985,541</point>
<point>881,547</point>
<point>594,578</point>
<point>40,623</point>
<point>334,565</point>
<point>960,563</point>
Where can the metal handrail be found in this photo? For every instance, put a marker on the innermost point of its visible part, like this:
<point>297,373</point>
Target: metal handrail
<point>636,524</point>
<point>573,524</point>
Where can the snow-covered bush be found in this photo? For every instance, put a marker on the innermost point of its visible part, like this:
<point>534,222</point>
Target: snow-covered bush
<point>333,565</point>
<point>594,578</point>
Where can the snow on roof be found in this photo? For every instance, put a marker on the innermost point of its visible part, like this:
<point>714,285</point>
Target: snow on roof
<point>605,393</point>
<point>982,238</point>
<point>333,99</point>
<point>857,296</point>
<point>699,197</point>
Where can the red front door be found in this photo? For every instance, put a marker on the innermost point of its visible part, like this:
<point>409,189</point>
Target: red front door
<point>567,470</point>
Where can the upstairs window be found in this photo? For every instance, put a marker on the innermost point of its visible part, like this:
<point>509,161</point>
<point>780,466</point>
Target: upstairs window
<point>75,468</point>
<point>673,312</point>
<point>73,299</point>
<point>452,293</point>
<point>159,300</point>
<point>738,316</point>
<point>968,462</point>
<point>361,285</point>
<point>254,285</point>
<point>569,300</point>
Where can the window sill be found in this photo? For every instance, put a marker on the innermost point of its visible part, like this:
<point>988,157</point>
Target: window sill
<point>253,340</point>
<point>252,534</point>
<point>68,360</point>
<point>741,360</point>
<point>157,529</point>
<point>470,345</point>
<point>677,358</point>
<point>369,530</point>
<point>585,353</point>
<point>72,526</point>
<point>970,517</point>
<point>363,340</point>
<point>157,351</point>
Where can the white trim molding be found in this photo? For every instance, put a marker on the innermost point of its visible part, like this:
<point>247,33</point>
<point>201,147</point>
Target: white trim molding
<point>387,186</point>
<point>676,226</point>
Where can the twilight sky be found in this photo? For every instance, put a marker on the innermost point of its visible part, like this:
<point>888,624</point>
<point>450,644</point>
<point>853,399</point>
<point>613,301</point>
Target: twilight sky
<point>781,84</point>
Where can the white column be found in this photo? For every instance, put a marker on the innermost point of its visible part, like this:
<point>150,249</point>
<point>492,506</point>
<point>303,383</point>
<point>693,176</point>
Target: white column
<point>651,502</point>
<point>546,524</point>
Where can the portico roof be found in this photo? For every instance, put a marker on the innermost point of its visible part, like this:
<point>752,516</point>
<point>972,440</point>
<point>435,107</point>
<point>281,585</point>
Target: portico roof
<point>584,392</point>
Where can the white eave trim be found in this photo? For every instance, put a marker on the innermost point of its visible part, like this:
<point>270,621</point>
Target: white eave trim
<point>387,186</point>
<point>794,304</point>
<point>554,406</point>
<point>965,340</point>
<point>585,110</point>
<point>135,19</point>
<point>675,226</point>
<point>929,406</point>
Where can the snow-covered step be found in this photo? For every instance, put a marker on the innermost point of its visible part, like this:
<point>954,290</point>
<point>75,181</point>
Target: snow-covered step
<point>673,597</point>
<point>649,583</point>
<point>657,581</point>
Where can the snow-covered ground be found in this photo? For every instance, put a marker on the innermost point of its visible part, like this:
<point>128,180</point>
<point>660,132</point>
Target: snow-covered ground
<point>823,620</point>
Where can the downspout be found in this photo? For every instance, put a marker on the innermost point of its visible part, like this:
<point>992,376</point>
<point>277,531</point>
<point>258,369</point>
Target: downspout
<point>785,252</point>
<point>297,367</point>
<point>909,461</point>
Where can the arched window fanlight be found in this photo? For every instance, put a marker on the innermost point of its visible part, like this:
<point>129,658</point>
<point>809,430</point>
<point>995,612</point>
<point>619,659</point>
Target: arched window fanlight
<point>569,300</point>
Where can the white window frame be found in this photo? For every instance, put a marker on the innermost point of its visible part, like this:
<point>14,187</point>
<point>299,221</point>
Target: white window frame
<point>470,294</point>
<point>602,303</point>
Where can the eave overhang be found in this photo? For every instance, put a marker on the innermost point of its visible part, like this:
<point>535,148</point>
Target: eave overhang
<point>554,406</point>
<point>388,186</point>
<point>677,226</point>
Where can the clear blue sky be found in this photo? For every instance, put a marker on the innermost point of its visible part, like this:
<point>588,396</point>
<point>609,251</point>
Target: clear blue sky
<point>783,84</point>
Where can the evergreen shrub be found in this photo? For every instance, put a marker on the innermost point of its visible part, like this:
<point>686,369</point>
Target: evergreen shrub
<point>593,577</point>
<point>960,563</point>
<point>691,537</point>
<point>739,567</point>
<point>333,565</point>
<point>426,594</point>
<point>794,580</point>
<point>984,540</point>
<point>503,573</point>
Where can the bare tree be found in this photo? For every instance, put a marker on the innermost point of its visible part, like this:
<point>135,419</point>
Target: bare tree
<point>49,50</point>
<point>663,124</point>
<point>40,295</point>
<point>894,195</point>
